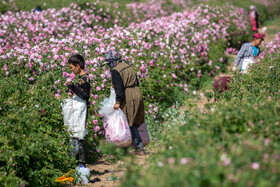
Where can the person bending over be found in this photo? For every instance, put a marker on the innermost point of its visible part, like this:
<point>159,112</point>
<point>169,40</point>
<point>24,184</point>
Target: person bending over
<point>248,52</point>
<point>128,95</point>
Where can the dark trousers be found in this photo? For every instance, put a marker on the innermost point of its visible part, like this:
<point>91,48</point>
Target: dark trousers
<point>136,138</point>
<point>78,149</point>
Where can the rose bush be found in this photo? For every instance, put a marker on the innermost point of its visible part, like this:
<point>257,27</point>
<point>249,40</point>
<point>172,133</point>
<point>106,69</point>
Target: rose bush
<point>170,54</point>
<point>263,79</point>
<point>235,143</point>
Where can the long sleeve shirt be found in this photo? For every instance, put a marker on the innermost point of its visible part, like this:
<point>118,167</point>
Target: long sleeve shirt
<point>118,86</point>
<point>245,52</point>
<point>82,88</point>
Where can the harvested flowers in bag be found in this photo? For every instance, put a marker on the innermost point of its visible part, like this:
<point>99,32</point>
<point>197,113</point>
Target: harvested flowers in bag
<point>116,127</point>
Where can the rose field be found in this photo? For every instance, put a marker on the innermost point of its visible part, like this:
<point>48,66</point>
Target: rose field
<point>176,48</point>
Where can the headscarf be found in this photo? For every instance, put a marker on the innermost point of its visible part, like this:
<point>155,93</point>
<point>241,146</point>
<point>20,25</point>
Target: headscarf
<point>112,58</point>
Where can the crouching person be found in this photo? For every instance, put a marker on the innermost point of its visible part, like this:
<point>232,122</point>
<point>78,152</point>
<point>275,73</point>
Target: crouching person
<point>248,52</point>
<point>220,85</point>
<point>128,95</point>
<point>82,90</point>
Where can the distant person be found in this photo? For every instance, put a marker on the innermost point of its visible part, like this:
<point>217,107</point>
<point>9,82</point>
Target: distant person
<point>220,85</point>
<point>248,53</point>
<point>253,15</point>
<point>263,31</point>
<point>38,9</point>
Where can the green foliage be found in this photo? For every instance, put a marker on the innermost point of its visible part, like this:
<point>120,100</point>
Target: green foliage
<point>209,95</point>
<point>34,144</point>
<point>261,82</point>
<point>235,143</point>
<point>113,153</point>
<point>192,158</point>
<point>266,9</point>
<point>167,118</point>
<point>273,22</point>
<point>45,4</point>
<point>33,140</point>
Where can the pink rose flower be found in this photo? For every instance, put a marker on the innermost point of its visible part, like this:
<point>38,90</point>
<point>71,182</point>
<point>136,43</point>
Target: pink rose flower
<point>96,128</point>
<point>184,161</point>
<point>43,111</point>
<point>31,79</point>
<point>255,165</point>
<point>5,67</point>
<point>171,160</point>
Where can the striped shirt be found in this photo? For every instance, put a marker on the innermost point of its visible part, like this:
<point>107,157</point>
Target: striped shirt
<point>246,51</point>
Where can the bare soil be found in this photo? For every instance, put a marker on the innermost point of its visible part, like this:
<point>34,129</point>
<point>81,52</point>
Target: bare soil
<point>105,170</point>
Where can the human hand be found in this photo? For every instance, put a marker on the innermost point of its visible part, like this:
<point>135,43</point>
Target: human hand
<point>234,68</point>
<point>70,85</point>
<point>116,106</point>
<point>69,91</point>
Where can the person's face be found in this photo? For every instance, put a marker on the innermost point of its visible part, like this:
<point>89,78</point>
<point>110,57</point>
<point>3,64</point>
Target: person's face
<point>257,42</point>
<point>75,69</point>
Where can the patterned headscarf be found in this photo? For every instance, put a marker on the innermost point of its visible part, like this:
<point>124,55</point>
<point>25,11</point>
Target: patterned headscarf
<point>112,58</point>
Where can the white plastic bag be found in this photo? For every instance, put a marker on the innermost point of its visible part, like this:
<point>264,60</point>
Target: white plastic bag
<point>74,116</point>
<point>246,64</point>
<point>84,172</point>
<point>116,127</point>
<point>107,106</point>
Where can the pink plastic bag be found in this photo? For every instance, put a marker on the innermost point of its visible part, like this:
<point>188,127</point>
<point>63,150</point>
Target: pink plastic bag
<point>143,132</point>
<point>117,130</point>
<point>116,127</point>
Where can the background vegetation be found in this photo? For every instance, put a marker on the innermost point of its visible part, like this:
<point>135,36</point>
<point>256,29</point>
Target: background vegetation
<point>235,143</point>
<point>34,144</point>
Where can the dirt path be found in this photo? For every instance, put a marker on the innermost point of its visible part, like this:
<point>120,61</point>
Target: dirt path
<point>105,170</point>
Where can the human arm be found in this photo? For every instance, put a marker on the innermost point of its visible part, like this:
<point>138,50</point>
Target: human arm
<point>137,82</point>
<point>240,56</point>
<point>119,87</point>
<point>82,90</point>
<point>259,51</point>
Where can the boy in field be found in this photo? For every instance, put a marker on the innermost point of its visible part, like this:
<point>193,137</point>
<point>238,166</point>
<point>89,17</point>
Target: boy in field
<point>82,90</point>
